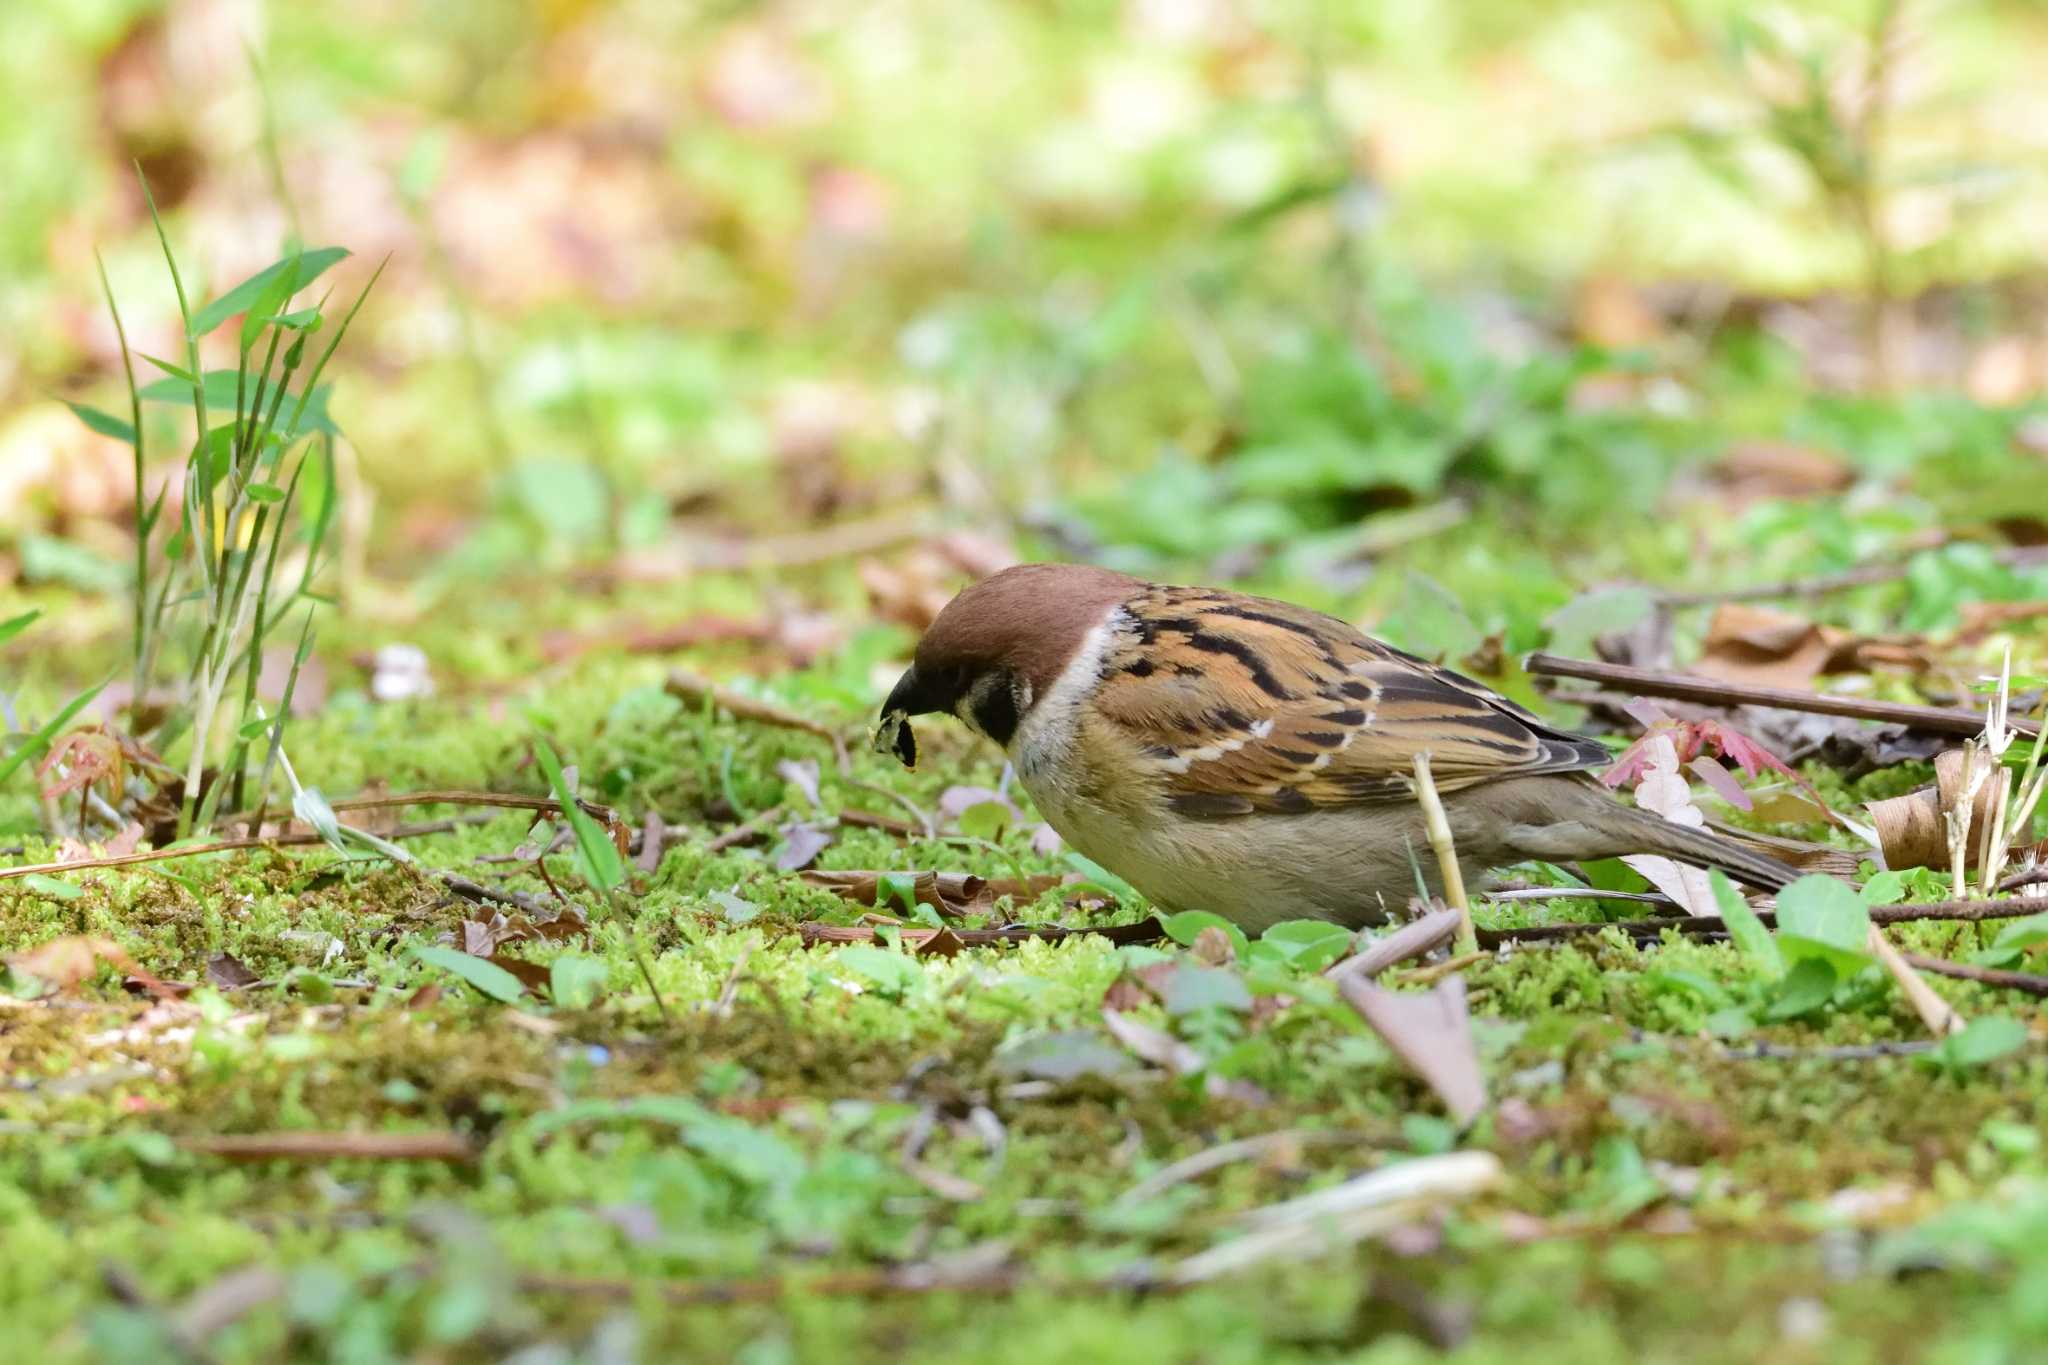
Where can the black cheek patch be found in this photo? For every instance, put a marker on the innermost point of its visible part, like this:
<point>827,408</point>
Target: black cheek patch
<point>995,713</point>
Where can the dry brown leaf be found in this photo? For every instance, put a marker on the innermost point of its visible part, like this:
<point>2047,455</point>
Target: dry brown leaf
<point>944,943</point>
<point>68,961</point>
<point>1152,1045</point>
<point>1912,830</point>
<point>1214,947</point>
<point>1780,469</point>
<point>1764,648</point>
<point>1431,1034</point>
<point>1611,312</point>
<point>227,972</point>
<point>532,975</point>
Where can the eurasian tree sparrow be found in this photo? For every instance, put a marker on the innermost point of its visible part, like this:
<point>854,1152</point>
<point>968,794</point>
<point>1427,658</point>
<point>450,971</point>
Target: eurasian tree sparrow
<point>1255,758</point>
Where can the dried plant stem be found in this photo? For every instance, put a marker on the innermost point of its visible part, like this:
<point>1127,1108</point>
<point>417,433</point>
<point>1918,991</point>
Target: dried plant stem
<point>1934,1011</point>
<point>1438,828</point>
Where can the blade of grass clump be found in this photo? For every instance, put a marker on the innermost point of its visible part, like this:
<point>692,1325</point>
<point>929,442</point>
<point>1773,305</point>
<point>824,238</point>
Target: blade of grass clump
<point>260,628</point>
<point>145,520</point>
<point>332,342</point>
<point>598,859</point>
<point>284,708</point>
<point>191,344</point>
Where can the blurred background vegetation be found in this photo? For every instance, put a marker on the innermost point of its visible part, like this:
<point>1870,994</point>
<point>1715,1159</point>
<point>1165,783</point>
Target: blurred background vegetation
<point>1438,315</point>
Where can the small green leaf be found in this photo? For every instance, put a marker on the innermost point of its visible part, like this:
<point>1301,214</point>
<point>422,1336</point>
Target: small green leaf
<point>1192,987</point>
<point>1100,876</point>
<point>1804,989</point>
<point>221,387</point>
<point>52,887</point>
<point>896,888</point>
<point>486,976</point>
<point>264,492</point>
<point>15,625</point>
<point>1064,1056</point>
<point>1307,945</point>
<point>308,266</point>
<point>1745,930</point>
<point>1729,1023</point>
<point>737,911</point>
<point>1825,910</point>
<point>183,376</point>
<point>889,973</point>
<point>2023,933</point>
<point>1884,888</point>
<point>574,982</point>
<point>105,423</point>
<point>1704,989</point>
<point>1184,927</point>
<point>1984,1039</point>
<point>984,820</point>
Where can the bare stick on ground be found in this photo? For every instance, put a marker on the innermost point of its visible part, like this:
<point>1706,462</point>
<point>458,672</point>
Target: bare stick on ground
<point>1649,682</point>
<point>688,687</point>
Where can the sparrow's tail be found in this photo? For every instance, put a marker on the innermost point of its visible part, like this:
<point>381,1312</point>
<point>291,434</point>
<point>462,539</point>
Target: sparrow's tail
<point>1581,820</point>
<point>1740,861</point>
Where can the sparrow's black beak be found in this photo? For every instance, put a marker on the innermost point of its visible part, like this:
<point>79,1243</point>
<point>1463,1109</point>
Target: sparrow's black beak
<point>910,697</point>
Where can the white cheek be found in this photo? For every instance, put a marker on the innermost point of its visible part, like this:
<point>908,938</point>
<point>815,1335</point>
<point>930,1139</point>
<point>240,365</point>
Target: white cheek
<point>1048,725</point>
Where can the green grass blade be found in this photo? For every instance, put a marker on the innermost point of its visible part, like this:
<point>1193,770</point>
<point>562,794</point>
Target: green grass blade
<point>240,299</point>
<point>145,515</point>
<point>15,625</point>
<point>105,423</point>
<point>602,866</point>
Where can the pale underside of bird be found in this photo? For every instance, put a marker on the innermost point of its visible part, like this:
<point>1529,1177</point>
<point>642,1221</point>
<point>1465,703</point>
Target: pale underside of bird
<point>1256,758</point>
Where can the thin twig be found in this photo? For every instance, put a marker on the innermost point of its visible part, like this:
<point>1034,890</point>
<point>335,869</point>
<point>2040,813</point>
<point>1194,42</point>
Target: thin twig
<point>1565,893</point>
<point>2028,982</point>
<point>218,846</point>
<point>1421,935</point>
<point>1944,720</point>
<point>1225,1153</point>
<point>1437,971</point>
<point>604,815</point>
<point>1697,927</point>
<point>489,895</point>
<point>688,687</point>
<point>1145,931</point>
<point>745,832</point>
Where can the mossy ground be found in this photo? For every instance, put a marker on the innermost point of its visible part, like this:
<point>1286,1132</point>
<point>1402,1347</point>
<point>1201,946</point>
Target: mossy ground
<point>1666,1198</point>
